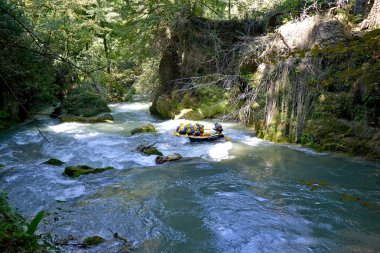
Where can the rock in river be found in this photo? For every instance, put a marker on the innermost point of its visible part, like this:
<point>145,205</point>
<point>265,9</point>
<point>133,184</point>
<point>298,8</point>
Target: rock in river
<point>148,150</point>
<point>76,171</point>
<point>169,158</point>
<point>149,128</point>
<point>103,117</point>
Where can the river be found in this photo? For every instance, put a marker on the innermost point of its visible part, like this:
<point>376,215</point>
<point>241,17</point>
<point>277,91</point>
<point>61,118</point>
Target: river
<point>244,195</point>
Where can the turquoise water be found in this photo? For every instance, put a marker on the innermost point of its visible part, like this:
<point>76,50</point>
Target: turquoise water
<point>247,195</point>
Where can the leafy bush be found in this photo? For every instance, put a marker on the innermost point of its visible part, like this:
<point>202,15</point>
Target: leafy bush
<point>84,101</point>
<point>13,238</point>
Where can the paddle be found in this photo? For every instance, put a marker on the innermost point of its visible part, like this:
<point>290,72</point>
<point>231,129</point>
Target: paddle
<point>227,138</point>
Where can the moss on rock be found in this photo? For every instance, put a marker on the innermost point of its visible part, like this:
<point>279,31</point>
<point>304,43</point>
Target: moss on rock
<point>93,240</point>
<point>206,102</point>
<point>76,171</point>
<point>103,117</point>
<point>164,107</point>
<point>54,162</point>
<point>151,151</point>
<point>149,128</point>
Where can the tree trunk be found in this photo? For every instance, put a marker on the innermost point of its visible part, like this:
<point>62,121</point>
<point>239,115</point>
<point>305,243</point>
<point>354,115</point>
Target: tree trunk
<point>229,9</point>
<point>106,50</point>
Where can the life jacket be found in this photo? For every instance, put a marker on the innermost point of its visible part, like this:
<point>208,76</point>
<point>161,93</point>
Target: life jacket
<point>181,129</point>
<point>189,129</point>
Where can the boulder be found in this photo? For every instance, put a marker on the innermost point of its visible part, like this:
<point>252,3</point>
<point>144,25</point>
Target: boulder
<point>149,128</point>
<point>93,240</point>
<point>76,171</point>
<point>169,158</point>
<point>306,34</point>
<point>148,150</point>
<point>103,117</point>
<point>54,162</point>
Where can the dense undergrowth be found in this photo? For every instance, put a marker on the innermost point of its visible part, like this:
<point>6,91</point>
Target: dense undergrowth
<point>15,234</point>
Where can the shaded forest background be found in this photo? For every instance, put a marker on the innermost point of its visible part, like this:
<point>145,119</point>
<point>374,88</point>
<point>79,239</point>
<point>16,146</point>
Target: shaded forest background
<point>295,70</point>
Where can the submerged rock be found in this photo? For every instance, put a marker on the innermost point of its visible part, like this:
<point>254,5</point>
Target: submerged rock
<point>76,171</point>
<point>93,240</point>
<point>149,128</point>
<point>1,165</point>
<point>103,117</point>
<point>169,158</point>
<point>54,162</point>
<point>148,150</point>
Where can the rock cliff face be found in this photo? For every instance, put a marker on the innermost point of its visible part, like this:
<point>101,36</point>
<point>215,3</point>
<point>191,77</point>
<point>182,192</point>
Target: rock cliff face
<point>374,15</point>
<point>312,82</point>
<point>316,85</point>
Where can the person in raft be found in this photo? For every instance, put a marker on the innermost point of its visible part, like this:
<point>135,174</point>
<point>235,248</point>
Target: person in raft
<point>218,128</point>
<point>197,129</point>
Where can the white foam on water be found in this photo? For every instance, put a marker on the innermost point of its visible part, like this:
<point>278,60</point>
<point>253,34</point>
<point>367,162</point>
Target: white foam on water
<point>68,127</point>
<point>254,141</point>
<point>27,137</point>
<point>86,135</point>
<point>261,199</point>
<point>11,178</point>
<point>220,151</point>
<point>70,193</point>
<point>304,150</point>
<point>137,106</point>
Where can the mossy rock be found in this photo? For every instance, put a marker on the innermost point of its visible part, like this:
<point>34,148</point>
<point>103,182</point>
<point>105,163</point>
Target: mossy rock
<point>148,150</point>
<point>84,102</point>
<point>76,171</point>
<point>152,151</point>
<point>169,158</point>
<point>2,166</point>
<point>103,117</point>
<point>54,162</point>
<point>149,128</point>
<point>193,115</point>
<point>93,240</point>
<point>164,107</point>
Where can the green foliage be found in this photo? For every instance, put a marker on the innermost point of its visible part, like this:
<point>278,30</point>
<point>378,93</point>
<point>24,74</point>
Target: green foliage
<point>4,119</point>
<point>26,74</point>
<point>12,236</point>
<point>351,69</point>
<point>85,102</point>
<point>308,139</point>
<point>32,228</point>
